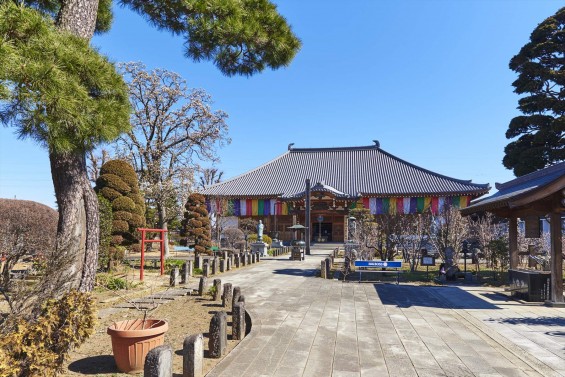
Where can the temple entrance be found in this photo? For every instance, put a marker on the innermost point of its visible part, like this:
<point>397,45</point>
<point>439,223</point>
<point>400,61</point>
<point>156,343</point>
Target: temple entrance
<point>322,232</point>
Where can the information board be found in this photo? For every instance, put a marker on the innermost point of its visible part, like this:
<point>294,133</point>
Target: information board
<point>378,263</point>
<point>428,261</point>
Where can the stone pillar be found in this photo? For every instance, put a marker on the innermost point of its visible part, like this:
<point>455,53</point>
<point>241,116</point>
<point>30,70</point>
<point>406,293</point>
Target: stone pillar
<point>556,258</point>
<point>243,257</point>
<point>159,362</point>
<point>238,321</point>
<point>224,265</point>
<point>328,269</point>
<point>193,356</point>
<point>513,238</point>
<point>215,266</point>
<point>227,296</point>
<point>206,269</point>
<point>235,296</point>
<point>253,257</point>
<point>199,262</point>
<point>174,276</point>
<point>236,261</point>
<point>229,264</point>
<point>241,298</point>
<point>231,260</point>
<point>217,289</point>
<point>323,269</point>
<point>217,344</point>
<point>202,286</point>
<point>184,273</point>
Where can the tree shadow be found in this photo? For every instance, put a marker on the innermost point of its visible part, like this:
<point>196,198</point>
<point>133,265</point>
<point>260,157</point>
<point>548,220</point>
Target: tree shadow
<point>405,296</point>
<point>94,365</point>
<point>538,321</point>
<point>296,272</point>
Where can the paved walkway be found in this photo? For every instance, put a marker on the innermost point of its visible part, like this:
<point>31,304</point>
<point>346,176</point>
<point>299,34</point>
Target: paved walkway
<point>306,326</point>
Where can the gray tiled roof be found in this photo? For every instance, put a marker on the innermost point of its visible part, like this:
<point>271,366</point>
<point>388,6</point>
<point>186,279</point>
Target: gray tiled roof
<point>352,171</point>
<point>515,188</point>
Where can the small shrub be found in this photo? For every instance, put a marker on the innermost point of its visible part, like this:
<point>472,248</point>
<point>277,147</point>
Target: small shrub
<point>39,347</point>
<point>113,283</point>
<point>253,238</point>
<point>120,226</point>
<point>197,271</point>
<point>211,291</point>
<point>123,203</point>
<point>172,263</point>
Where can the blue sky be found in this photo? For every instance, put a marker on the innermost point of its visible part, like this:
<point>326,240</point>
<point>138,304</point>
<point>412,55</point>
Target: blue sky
<point>428,78</point>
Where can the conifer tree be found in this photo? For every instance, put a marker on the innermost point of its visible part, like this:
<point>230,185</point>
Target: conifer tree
<point>45,56</point>
<point>540,131</point>
<point>196,224</point>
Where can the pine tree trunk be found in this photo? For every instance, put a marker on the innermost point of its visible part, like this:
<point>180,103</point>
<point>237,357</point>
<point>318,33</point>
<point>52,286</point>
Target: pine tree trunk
<point>76,257</point>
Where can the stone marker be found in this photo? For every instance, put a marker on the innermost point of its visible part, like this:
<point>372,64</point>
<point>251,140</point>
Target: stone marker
<point>184,276</point>
<point>243,258</point>
<point>253,256</point>
<point>174,276</point>
<point>237,261</point>
<point>224,265</point>
<point>241,298</point>
<point>190,268</point>
<point>227,296</point>
<point>206,269</point>
<point>217,290</point>
<point>159,362</point>
<point>235,296</point>
<point>328,265</point>
<point>323,269</point>
<point>218,335</point>
<point>215,266</point>
<point>228,264</point>
<point>238,321</point>
<point>193,356</point>
<point>202,286</point>
<point>231,260</point>
<point>199,262</point>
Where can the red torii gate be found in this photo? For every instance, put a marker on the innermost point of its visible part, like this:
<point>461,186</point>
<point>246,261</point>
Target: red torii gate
<point>161,240</point>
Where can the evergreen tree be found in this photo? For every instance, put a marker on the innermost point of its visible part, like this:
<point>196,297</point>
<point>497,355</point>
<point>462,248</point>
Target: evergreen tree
<point>196,224</point>
<point>118,184</point>
<point>45,57</point>
<point>540,65</point>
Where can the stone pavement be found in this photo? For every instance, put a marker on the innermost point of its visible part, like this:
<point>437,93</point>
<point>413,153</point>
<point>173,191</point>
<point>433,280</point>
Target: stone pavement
<point>306,326</point>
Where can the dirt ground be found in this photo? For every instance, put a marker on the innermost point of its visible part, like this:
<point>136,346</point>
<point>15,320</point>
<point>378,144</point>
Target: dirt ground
<point>186,315</point>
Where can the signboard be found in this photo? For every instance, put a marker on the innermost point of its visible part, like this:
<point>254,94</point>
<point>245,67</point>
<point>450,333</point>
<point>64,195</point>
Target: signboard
<point>532,227</point>
<point>428,261</point>
<point>378,263</point>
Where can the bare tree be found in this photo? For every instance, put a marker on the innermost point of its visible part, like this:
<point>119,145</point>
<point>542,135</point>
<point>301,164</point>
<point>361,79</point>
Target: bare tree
<point>27,230</point>
<point>95,162</point>
<point>233,235</point>
<point>209,176</point>
<point>485,229</point>
<point>173,129</point>
<point>413,236</point>
<point>449,229</point>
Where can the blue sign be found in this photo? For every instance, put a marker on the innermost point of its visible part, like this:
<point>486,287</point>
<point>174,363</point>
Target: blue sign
<point>378,263</point>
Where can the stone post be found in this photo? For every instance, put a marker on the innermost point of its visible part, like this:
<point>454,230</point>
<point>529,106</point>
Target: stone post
<point>228,264</point>
<point>184,276</point>
<point>193,356</point>
<point>224,265</point>
<point>199,262</point>
<point>323,269</point>
<point>202,286</point>
<point>235,296</point>
<point>232,260</point>
<point>159,362</point>
<point>253,257</point>
<point>237,261</point>
<point>206,269</point>
<point>190,268</point>
<point>174,276</point>
<point>227,296</point>
<point>217,289</point>
<point>241,298</point>
<point>243,257</point>
<point>238,321</point>
<point>327,265</point>
<point>218,335</point>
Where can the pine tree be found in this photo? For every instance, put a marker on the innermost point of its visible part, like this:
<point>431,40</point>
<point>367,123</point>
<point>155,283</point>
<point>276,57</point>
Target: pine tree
<point>540,65</point>
<point>45,57</point>
<point>196,224</point>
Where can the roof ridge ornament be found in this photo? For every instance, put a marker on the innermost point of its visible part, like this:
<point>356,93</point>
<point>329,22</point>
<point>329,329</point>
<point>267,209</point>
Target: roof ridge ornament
<point>290,146</point>
<point>377,143</point>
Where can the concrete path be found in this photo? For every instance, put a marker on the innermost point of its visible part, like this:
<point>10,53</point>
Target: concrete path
<point>306,326</point>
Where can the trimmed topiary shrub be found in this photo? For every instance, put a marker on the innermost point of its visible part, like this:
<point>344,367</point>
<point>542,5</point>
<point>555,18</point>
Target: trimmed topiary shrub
<point>118,184</point>
<point>196,224</point>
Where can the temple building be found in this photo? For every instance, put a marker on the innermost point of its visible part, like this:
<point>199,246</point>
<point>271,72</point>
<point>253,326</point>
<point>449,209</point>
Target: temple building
<point>341,179</point>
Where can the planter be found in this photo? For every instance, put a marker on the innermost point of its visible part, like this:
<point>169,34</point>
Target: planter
<point>133,339</point>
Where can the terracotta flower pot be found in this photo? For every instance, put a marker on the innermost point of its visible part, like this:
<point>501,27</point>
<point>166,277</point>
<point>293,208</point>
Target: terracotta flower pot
<point>133,339</point>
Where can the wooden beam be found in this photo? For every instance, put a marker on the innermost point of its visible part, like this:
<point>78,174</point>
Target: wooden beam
<point>556,258</point>
<point>540,193</point>
<point>513,238</point>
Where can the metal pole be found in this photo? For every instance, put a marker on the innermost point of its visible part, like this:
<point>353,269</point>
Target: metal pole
<point>307,230</point>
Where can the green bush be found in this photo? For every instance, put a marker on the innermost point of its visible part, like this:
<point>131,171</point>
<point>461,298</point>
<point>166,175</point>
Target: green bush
<point>111,282</point>
<point>121,169</point>
<point>109,193</point>
<point>123,203</point>
<point>253,238</point>
<point>114,182</point>
<point>197,271</point>
<point>120,226</point>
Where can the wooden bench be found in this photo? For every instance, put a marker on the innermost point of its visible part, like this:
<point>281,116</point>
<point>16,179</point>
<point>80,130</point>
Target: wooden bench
<point>384,267</point>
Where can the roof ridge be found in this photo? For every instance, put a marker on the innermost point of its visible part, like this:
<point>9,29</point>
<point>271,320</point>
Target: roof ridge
<point>325,149</point>
<point>531,176</point>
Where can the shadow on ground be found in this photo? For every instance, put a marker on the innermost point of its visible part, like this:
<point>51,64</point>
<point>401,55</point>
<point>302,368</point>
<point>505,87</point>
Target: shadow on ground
<point>296,271</point>
<point>405,296</point>
<point>538,321</point>
<point>95,365</point>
